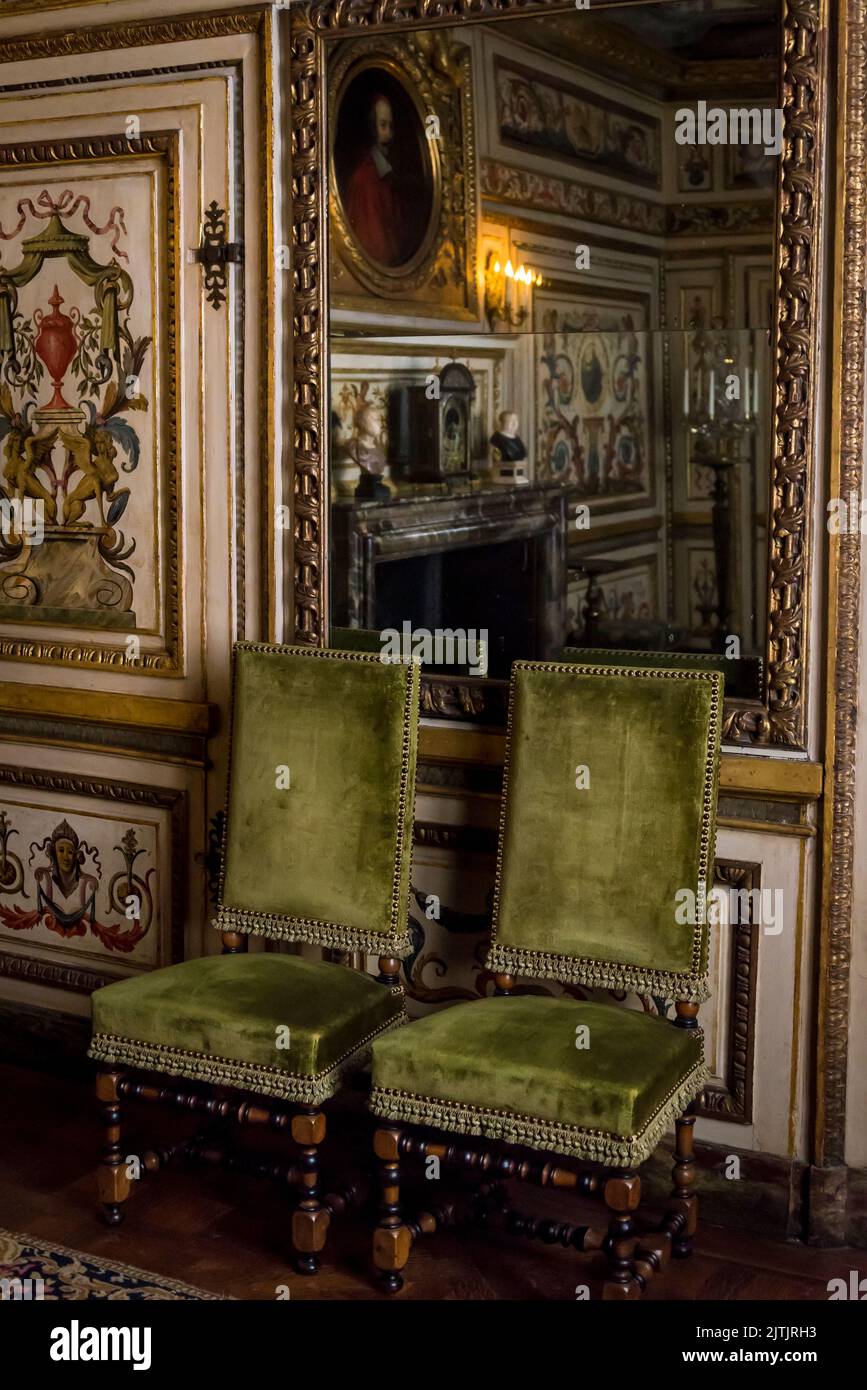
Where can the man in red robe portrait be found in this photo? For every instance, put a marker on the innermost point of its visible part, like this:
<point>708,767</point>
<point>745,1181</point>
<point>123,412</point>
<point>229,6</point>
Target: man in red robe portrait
<point>371,201</point>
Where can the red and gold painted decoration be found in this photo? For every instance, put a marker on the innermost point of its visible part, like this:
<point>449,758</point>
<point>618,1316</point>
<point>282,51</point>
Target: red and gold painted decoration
<point>62,887</point>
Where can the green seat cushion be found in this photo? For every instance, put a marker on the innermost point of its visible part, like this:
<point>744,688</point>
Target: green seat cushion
<point>318,834</point>
<point>222,1019</point>
<point>509,1068</point>
<point>607,823</point>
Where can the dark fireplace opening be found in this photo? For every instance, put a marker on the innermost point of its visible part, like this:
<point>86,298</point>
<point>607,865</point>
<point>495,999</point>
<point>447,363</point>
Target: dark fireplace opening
<point>492,587</point>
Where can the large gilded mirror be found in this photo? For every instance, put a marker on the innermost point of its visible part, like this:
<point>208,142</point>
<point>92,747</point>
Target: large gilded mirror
<point>553,281</point>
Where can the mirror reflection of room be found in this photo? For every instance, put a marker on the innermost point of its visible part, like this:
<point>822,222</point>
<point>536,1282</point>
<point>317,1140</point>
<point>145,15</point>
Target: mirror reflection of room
<point>552,279</point>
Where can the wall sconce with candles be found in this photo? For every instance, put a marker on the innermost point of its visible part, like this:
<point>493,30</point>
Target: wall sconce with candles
<point>507,292</point>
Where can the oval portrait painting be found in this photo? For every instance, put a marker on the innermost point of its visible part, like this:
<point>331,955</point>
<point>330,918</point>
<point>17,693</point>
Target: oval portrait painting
<point>383,168</point>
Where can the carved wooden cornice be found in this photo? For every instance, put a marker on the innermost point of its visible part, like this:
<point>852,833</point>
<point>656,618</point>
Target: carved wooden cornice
<point>134,33</point>
<point>606,47</point>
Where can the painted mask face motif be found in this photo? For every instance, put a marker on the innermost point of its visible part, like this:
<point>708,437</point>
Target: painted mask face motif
<point>65,853</point>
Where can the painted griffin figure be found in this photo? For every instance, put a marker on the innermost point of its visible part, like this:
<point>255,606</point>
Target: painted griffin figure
<point>25,455</point>
<point>92,456</point>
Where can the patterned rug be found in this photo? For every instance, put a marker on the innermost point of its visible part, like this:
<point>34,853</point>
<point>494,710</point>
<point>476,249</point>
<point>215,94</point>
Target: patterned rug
<point>30,1269</point>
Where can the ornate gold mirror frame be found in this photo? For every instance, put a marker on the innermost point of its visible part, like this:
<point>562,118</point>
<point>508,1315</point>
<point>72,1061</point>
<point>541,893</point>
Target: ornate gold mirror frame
<point>828,1223</point>
<point>780,717</point>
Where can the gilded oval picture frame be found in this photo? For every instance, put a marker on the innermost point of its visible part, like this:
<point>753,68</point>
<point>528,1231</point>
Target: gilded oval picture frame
<point>386,177</point>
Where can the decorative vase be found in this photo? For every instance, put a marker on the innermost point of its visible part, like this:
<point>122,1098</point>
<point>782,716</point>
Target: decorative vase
<point>55,345</point>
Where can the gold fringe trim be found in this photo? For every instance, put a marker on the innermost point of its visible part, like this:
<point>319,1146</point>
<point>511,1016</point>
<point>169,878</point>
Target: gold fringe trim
<point>573,1141</point>
<point>340,938</point>
<point>226,1071</point>
<point>601,974</point>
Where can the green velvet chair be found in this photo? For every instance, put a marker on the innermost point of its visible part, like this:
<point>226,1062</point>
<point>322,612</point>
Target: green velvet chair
<point>605,850</point>
<point>356,639</point>
<point>316,849</point>
<point>663,661</point>
<point>743,675</point>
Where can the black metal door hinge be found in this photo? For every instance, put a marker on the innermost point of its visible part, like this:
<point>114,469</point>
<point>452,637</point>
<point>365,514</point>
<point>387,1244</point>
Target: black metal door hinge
<point>215,253</point>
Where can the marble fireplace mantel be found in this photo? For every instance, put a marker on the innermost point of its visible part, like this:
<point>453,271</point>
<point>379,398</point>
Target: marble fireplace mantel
<point>441,521</point>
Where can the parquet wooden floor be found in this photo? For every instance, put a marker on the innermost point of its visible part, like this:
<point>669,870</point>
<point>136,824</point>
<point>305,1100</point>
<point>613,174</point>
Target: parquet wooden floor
<point>230,1235</point>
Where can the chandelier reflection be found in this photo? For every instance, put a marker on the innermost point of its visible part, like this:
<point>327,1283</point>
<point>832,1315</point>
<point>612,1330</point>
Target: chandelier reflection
<point>721,401</point>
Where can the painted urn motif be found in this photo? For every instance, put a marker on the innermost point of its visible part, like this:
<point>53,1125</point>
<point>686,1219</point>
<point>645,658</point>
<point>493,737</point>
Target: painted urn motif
<point>55,345</point>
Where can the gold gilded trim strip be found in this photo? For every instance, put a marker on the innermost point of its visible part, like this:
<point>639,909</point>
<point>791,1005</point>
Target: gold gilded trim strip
<point>780,778</point>
<point>15,7</point>
<point>131,711</point>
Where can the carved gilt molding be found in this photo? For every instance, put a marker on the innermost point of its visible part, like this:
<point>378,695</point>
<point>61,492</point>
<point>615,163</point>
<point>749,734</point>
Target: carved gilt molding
<point>481,701</point>
<point>135,33</point>
<point>527,188</point>
<point>782,719</point>
<point>44,972</point>
<point>734,1100</point>
<point>604,49</point>
<point>462,839</point>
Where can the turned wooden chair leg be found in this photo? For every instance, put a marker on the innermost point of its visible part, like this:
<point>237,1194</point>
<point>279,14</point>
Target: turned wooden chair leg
<point>310,1218</point>
<point>391,1239</point>
<point>622,1196</point>
<point>684,1201</point>
<point>112,1177</point>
